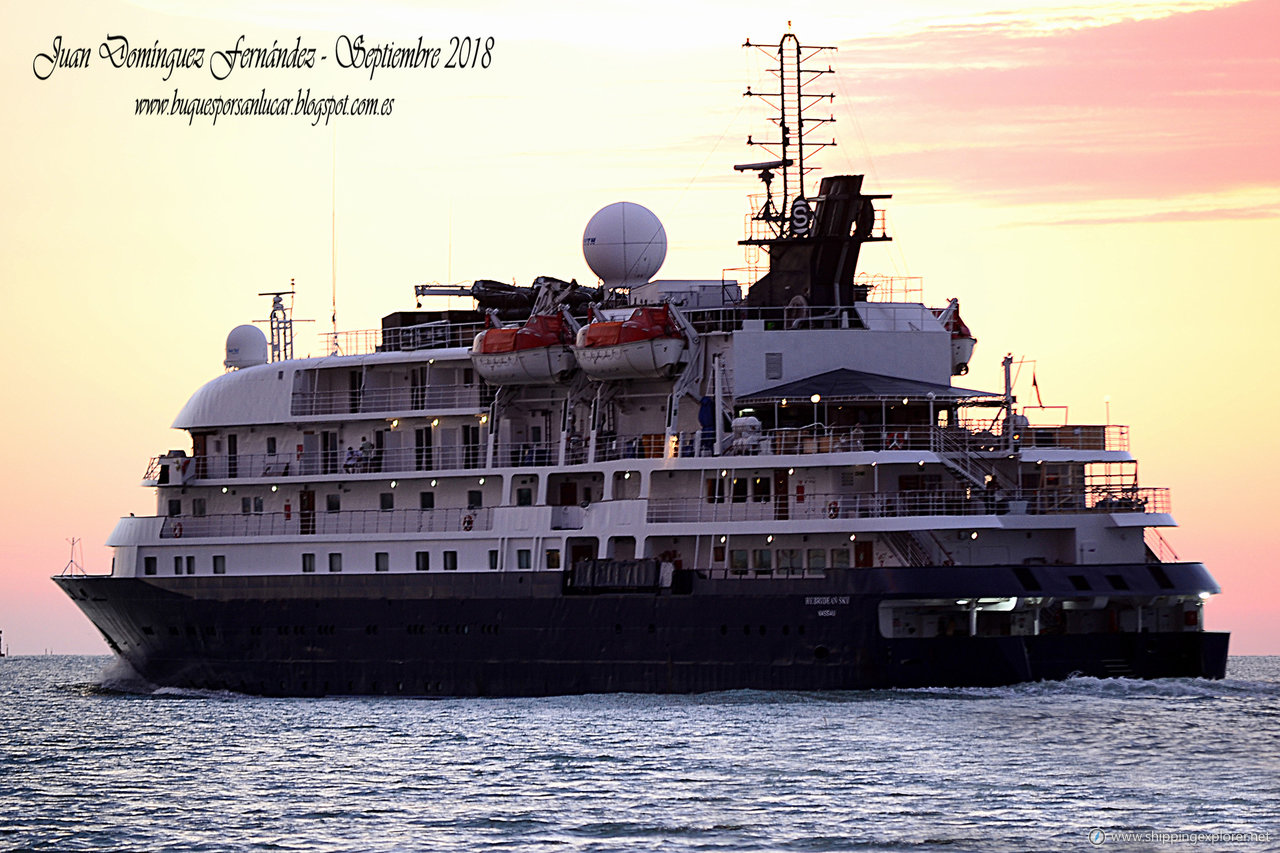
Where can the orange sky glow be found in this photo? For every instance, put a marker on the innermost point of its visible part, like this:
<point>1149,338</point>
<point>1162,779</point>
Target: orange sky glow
<point>1096,182</point>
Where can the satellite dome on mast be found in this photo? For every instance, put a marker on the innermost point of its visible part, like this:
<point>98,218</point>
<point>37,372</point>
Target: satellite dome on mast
<point>624,244</point>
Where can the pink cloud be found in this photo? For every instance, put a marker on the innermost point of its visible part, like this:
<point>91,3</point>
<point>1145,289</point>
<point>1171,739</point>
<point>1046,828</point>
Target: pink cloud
<point>1185,104</point>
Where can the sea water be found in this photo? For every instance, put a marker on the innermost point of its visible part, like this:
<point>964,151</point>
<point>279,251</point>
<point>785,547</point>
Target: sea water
<point>92,761</point>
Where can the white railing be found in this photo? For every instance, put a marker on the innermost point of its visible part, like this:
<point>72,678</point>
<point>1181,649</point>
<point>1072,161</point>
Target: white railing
<point>393,400</point>
<point>945,502</point>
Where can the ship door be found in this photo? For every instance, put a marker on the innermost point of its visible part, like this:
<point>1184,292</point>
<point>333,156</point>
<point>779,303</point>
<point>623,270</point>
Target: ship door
<point>307,512</point>
<point>781,494</point>
<point>568,494</point>
<point>582,549</point>
<point>200,450</point>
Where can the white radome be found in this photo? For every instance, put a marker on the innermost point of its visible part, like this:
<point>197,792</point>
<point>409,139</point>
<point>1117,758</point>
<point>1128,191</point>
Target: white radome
<point>246,347</point>
<point>624,244</point>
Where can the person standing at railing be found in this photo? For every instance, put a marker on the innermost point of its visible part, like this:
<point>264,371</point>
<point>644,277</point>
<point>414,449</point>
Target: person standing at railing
<point>352,461</point>
<point>366,453</point>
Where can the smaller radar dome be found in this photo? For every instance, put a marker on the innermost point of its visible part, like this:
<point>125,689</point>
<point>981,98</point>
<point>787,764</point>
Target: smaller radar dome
<point>246,347</point>
<point>624,244</point>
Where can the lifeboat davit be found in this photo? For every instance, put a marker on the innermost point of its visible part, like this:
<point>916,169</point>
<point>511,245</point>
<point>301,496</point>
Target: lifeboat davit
<point>962,340</point>
<point>646,345</point>
<point>539,352</point>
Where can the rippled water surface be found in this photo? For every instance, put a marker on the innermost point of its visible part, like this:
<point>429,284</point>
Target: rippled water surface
<point>88,763</point>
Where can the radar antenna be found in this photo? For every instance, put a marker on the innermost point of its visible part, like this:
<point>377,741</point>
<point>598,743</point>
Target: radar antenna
<point>792,103</point>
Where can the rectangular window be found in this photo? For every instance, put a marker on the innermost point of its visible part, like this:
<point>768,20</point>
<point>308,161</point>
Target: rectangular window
<point>763,487</point>
<point>335,562</point>
<point>450,561</point>
<point>737,558</point>
<point>177,565</point>
<point>739,490</point>
<point>553,558</point>
<point>308,563</point>
<point>426,500</point>
<point>475,499</point>
<point>422,561</point>
<point>789,558</point>
<point>715,490</point>
<point>839,558</point>
<point>762,559</point>
<point>148,565</point>
<point>817,558</point>
<point>175,507</point>
<point>524,497</point>
<point>387,500</point>
<point>219,564</point>
<point>381,561</point>
<point>717,554</point>
<point>524,559</point>
<point>246,505</point>
<point>257,506</point>
<point>191,565</point>
<point>493,560</point>
<point>271,445</point>
<point>333,503</point>
<point>198,507</point>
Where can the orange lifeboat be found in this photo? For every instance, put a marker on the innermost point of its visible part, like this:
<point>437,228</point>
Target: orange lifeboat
<point>537,353</point>
<point>646,345</point>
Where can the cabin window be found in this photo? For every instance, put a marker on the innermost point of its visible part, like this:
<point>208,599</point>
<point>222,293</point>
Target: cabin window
<point>381,561</point>
<point>271,445</point>
<point>524,497</point>
<point>738,558</point>
<point>175,507</point>
<point>493,560</point>
<point>177,565</point>
<point>219,564</point>
<point>191,565</point>
<point>198,507</point>
<point>789,558</point>
<point>387,500</point>
<point>739,490</point>
<point>524,559</point>
<point>817,558</point>
<point>715,490</point>
<point>553,558</point>
<point>246,506</point>
<point>308,563</point>
<point>422,561</point>
<point>426,500</point>
<point>839,558</point>
<point>475,499</point>
<point>257,506</point>
<point>717,554</point>
<point>148,565</point>
<point>450,561</point>
<point>762,559</point>
<point>763,488</point>
<point>335,562</point>
<point>333,503</point>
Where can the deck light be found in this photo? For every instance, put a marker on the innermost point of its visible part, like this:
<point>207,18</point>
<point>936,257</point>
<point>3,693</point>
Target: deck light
<point>973,535</point>
<point>433,484</point>
<point>853,537</point>
<point>275,488</point>
<point>904,401</point>
<point>484,419</point>
<point>482,481</point>
<point>393,484</point>
<point>435,422</point>
<point>723,539</point>
<point>791,471</point>
<point>724,473</point>
<point>921,463</point>
<point>816,398</point>
<point>626,475</point>
<point>769,538</point>
<point>1205,596</point>
<point>224,490</point>
<point>395,423</point>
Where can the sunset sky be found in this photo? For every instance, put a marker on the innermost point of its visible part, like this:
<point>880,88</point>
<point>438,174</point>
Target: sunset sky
<point>1097,182</point>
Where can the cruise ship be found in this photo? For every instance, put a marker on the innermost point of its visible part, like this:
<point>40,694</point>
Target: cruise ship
<point>766,479</point>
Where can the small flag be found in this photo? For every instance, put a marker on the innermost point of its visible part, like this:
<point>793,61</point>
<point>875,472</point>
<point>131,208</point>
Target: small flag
<point>1036,385</point>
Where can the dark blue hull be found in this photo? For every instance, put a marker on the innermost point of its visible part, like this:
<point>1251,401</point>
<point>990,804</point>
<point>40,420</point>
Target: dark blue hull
<point>509,634</point>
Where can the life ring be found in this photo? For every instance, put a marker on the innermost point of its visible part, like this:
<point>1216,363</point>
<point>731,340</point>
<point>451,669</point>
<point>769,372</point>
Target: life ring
<point>177,530</point>
<point>896,440</point>
<point>182,466</point>
<point>467,521</point>
<point>833,510</point>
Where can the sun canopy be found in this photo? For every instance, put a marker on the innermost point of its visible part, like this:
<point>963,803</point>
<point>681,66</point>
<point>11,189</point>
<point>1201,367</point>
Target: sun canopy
<point>845,386</point>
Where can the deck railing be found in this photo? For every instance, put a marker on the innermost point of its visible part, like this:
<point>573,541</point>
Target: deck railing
<point>930,502</point>
<point>806,441</point>
<point>394,400</point>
